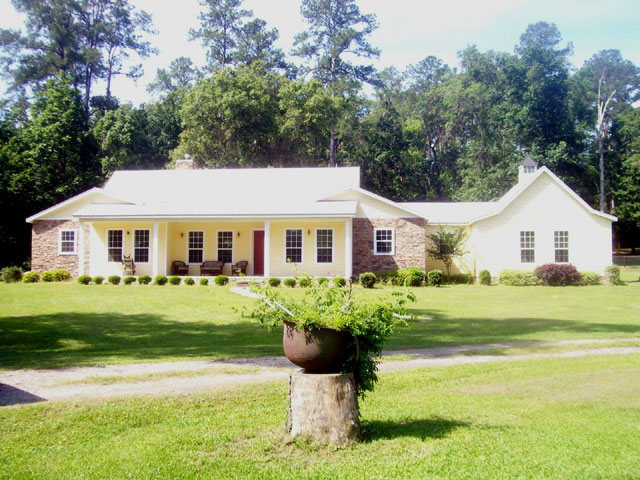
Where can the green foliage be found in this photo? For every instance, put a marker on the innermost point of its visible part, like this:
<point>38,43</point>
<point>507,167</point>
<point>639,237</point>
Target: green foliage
<point>144,279</point>
<point>412,277</point>
<point>160,280</point>
<point>204,282</point>
<point>322,281</point>
<point>174,280</point>
<point>367,279</point>
<point>518,278</point>
<point>189,281</point>
<point>98,279</point>
<point>11,274</point>
<point>339,282</point>
<point>370,322</point>
<point>221,280</point>
<point>273,281</point>
<point>114,279</point>
<point>129,280</point>
<point>484,277</point>
<point>387,276</point>
<point>590,278</point>
<point>612,272</point>
<point>290,282</point>
<point>435,277</point>
<point>461,279</point>
<point>557,274</point>
<point>84,279</point>
<point>62,275</point>
<point>446,245</point>
<point>31,277</point>
<point>304,281</point>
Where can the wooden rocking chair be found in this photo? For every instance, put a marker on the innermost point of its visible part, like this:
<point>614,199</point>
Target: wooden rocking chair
<point>129,265</point>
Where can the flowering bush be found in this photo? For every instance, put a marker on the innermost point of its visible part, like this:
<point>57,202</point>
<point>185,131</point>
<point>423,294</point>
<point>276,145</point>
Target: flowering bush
<point>558,274</point>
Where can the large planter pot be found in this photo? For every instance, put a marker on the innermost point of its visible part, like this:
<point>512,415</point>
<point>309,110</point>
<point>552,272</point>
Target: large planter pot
<point>318,350</point>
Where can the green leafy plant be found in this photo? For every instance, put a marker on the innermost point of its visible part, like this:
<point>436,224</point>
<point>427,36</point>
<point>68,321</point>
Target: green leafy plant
<point>129,280</point>
<point>461,279</point>
<point>98,279</point>
<point>612,272</point>
<point>435,277</point>
<point>84,279</point>
<point>484,277</point>
<point>367,279</point>
<point>387,277</point>
<point>31,277</point>
<point>189,281</point>
<point>47,276</point>
<point>204,282</point>
<point>160,280</point>
<point>370,322</point>
<point>322,281</point>
<point>11,274</point>
<point>304,281</point>
<point>339,281</point>
<point>114,279</point>
<point>447,245</point>
<point>144,279</point>
<point>62,275</point>
<point>221,280</point>
<point>589,278</point>
<point>174,280</point>
<point>518,278</point>
<point>273,281</point>
<point>290,282</point>
<point>558,274</point>
<point>411,277</point>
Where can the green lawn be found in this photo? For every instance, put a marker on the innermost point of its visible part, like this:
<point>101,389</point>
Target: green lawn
<point>56,325</point>
<point>549,418</point>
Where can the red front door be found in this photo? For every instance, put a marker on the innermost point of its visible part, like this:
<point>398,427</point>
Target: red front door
<point>258,252</point>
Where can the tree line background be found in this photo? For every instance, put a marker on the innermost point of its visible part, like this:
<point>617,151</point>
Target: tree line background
<point>430,133</point>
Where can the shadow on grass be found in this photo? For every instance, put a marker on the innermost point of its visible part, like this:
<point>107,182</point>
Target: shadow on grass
<point>65,339</point>
<point>421,428</point>
<point>14,396</point>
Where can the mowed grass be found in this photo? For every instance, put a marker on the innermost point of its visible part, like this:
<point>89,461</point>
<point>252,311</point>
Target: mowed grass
<point>50,325</point>
<point>546,418</point>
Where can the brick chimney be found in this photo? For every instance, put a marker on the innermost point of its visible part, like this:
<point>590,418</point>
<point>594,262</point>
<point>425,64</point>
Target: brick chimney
<point>185,163</point>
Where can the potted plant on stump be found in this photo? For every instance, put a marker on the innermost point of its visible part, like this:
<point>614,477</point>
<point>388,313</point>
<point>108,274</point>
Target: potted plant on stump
<point>337,341</point>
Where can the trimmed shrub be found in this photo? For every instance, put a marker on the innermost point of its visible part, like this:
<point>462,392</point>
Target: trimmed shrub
<point>84,279</point>
<point>114,279</point>
<point>47,276</point>
<point>289,282</point>
<point>189,281</point>
<point>339,281</point>
<point>435,278</point>
<point>322,280</point>
<point>558,274</point>
<point>144,279</point>
<point>204,282</point>
<point>160,280</point>
<point>386,276</point>
<point>31,277</point>
<point>129,280</point>
<point>367,279</point>
<point>484,277</point>
<point>412,277</point>
<point>62,275</point>
<point>274,281</point>
<point>518,278</point>
<point>304,282</point>
<point>221,280</point>
<point>98,279</point>
<point>174,280</point>
<point>612,272</point>
<point>11,274</point>
<point>590,278</point>
<point>461,279</point>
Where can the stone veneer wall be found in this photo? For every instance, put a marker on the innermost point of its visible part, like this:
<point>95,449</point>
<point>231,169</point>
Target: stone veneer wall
<point>44,246</point>
<point>410,244</point>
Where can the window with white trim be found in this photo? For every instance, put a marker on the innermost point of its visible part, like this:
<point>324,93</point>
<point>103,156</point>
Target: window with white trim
<point>196,247</point>
<point>324,245</point>
<point>67,242</point>
<point>225,247</point>
<point>141,246</point>
<point>114,245</point>
<point>383,241</point>
<point>529,169</point>
<point>561,246</point>
<point>527,247</point>
<point>293,245</point>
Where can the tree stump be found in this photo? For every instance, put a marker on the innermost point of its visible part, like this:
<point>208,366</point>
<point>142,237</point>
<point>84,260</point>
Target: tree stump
<point>323,407</point>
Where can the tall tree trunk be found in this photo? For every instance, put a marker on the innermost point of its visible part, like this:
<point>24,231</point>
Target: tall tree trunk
<point>332,145</point>
<point>601,149</point>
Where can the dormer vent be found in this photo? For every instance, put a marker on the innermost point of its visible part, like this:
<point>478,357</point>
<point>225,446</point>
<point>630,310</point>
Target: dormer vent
<point>526,169</point>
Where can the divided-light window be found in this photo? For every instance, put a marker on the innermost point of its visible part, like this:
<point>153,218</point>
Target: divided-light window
<point>225,247</point>
<point>141,246</point>
<point>114,245</point>
<point>383,241</point>
<point>67,242</point>
<point>324,245</point>
<point>196,247</point>
<point>561,245</point>
<point>527,247</point>
<point>293,245</point>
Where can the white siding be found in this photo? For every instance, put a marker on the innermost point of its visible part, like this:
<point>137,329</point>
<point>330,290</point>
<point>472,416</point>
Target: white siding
<point>369,207</point>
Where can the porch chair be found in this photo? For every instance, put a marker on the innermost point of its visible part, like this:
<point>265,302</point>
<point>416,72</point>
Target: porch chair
<point>211,267</point>
<point>240,267</point>
<point>179,268</point>
<point>129,266</point>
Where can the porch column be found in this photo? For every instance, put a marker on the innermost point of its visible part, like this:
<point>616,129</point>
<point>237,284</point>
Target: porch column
<point>267,249</point>
<point>348,248</point>
<point>166,236</point>
<point>154,264</point>
<point>81,249</point>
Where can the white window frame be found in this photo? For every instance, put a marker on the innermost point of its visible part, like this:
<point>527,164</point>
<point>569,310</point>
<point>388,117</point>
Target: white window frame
<point>333,246</point>
<point>393,241</point>
<point>121,247</point>
<point>233,245</point>
<point>556,247</point>
<point>135,258</point>
<point>203,245</point>
<point>523,244</point>
<point>75,241</point>
<point>529,169</point>
<point>284,238</point>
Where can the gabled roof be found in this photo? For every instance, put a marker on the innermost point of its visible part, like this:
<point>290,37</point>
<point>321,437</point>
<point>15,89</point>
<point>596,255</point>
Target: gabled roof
<point>400,206</point>
<point>528,162</point>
